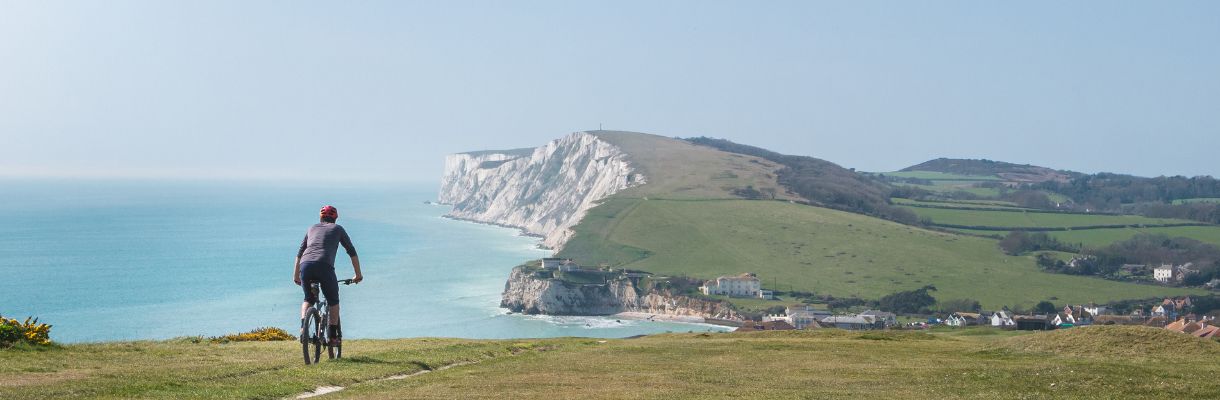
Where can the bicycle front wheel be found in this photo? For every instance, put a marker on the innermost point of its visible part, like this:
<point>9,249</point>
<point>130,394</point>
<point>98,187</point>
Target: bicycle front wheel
<point>311,337</point>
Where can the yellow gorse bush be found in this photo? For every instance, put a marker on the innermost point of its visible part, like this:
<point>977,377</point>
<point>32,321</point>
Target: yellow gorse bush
<point>30,331</point>
<point>269,334</point>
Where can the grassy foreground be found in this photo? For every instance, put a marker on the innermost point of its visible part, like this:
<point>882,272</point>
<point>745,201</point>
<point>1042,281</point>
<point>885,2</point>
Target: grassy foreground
<point>1093,362</point>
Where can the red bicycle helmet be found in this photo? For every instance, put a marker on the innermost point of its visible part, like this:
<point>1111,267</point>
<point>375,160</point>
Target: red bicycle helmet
<point>329,211</point>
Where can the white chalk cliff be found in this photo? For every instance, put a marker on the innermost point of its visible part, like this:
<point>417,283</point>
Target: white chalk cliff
<point>544,191</point>
<point>525,293</point>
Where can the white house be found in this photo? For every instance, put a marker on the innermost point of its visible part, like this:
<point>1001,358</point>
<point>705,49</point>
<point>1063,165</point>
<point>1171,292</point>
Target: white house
<point>1063,318</point>
<point>1096,310</point>
<point>551,262</point>
<point>1170,273</point>
<point>1164,273</point>
<point>744,285</point>
<point>801,318</point>
<point>1002,318</point>
<point>962,319</point>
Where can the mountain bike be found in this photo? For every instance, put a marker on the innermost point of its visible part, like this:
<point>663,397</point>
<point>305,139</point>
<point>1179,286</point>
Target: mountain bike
<point>313,327</point>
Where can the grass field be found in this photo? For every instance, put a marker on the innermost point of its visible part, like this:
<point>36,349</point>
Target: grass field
<point>680,170</point>
<point>1104,237</point>
<point>1198,200</point>
<point>1093,362</point>
<point>1033,219</point>
<point>941,176</point>
<point>824,251</point>
<point>956,186</point>
<point>968,204</point>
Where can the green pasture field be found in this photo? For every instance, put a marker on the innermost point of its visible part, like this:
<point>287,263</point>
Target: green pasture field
<point>1198,200</point>
<point>951,186</point>
<point>934,176</point>
<point>1103,362</point>
<point>1104,237</point>
<point>968,205</point>
<point>677,169</point>
<point>823,251</point>
<point>1033,219</point>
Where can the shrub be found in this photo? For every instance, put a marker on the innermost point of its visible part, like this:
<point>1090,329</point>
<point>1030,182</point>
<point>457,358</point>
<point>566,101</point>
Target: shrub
<point>258,335</point>
<point>30,331</point>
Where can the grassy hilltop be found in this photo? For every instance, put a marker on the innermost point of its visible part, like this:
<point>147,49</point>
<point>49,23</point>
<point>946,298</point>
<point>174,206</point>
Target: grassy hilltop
<point>1095,362</point>
<point>688,221</point>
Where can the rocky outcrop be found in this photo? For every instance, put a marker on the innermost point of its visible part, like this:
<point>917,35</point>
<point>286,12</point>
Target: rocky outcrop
<point>529,294</point>
<point>543,191</point>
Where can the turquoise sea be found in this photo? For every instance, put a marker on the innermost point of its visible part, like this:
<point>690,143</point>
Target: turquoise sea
<point>122,260</point>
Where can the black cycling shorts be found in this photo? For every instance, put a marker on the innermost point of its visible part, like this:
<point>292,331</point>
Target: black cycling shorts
<point>320,272</point>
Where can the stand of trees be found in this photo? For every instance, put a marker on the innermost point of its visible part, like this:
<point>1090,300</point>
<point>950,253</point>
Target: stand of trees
<point>1146,249</point>
<point>1151,197</point>
<point>1020,242</point>
<point>910,302</point>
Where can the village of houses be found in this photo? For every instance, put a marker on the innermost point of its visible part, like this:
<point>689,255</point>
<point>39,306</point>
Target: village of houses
<point>1171,313</point>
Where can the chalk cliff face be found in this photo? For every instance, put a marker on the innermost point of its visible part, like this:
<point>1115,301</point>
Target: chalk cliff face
<point>528,294</point>
<point>543,191</point>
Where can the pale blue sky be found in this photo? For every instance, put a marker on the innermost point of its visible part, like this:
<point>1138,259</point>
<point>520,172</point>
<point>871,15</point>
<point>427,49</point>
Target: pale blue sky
<point>382,91</point>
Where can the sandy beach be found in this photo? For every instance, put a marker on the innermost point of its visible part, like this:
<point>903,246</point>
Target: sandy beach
<point>660,317</point>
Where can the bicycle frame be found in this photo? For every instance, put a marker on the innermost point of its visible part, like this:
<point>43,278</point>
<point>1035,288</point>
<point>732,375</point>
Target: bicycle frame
<point>320,335</point>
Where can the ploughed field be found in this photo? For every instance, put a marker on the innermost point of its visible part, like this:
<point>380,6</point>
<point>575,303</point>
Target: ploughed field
<point>1092,362</point>
<point>803,248</point>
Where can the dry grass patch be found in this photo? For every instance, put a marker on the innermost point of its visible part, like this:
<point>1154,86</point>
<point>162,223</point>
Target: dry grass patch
<point>1115,341</point>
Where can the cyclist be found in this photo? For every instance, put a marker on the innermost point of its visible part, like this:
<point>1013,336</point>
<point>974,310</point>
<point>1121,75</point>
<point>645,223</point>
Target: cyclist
<point>316,263</point>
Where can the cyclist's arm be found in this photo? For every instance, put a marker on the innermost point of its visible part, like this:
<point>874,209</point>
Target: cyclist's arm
<point>346,241</point>
<point>296,271</point>
<point>356,266</point>
<point>296,266</point>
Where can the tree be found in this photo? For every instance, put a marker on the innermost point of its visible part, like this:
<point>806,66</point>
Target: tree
<point>959,305</point>
<point>1045,307</point>
<point>913,301</point>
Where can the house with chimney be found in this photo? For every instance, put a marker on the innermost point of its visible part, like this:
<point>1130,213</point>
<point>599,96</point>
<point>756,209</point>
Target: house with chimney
<point>744,285</point>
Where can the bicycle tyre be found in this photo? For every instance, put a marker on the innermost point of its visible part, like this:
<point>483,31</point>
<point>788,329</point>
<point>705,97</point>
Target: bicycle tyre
<point>312,336</point>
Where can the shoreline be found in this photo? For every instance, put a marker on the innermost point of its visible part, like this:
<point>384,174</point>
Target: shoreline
<point>520,231</point>
<point>643,316</point>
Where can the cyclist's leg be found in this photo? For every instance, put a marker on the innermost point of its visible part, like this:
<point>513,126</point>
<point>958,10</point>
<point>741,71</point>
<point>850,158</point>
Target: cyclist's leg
<point>330,289</point>
<point>309,272</point>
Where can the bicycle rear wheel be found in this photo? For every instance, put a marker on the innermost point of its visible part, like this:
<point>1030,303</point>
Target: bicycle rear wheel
<point>311,326</point>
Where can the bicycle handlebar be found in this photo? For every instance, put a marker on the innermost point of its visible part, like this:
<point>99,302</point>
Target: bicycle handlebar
<point>347,281</point>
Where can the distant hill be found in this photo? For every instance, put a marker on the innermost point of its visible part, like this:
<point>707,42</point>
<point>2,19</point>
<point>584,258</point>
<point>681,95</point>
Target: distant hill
<point>694,218</point>
<point>822,182</point>
<point>1007,171</point>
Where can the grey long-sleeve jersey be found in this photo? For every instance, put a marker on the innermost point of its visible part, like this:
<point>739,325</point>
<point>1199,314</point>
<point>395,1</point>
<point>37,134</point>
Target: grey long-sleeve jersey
<point>322,242</point>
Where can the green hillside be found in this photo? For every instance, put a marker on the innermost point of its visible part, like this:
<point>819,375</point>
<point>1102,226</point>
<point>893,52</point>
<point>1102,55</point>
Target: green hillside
<point>683,222</point>
<point>1080,363</point>
<point>676,169</point>
<point>989,168</point>
<point>792,246</point>
<point>1033,219</point>
<point>1103,237</point>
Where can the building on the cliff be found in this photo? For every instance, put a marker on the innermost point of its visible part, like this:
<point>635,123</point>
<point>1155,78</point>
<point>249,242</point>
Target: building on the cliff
<point>551,262</point>
<point>802,317</point>
<point>850,322</point>
<point>744,285</point>
<point>559,264</point>
<point>765,326</point>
